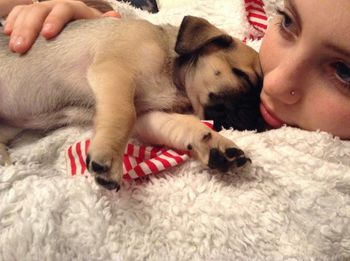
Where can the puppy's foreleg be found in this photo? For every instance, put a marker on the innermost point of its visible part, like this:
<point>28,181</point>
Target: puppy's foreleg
<point>7,133</point>
<point>186,132</point>
<point>113,87</point>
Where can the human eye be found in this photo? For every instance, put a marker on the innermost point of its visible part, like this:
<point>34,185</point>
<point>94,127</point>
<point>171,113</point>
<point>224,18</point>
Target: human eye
<point>342,73</point>
<point>340,76</point>
<point>286,23</point>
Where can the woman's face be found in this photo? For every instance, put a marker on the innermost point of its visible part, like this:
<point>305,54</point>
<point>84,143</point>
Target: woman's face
<point>305,57</point>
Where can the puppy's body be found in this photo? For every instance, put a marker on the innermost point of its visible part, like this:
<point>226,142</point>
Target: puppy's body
<point>39,88</point>
<point>114,71</point>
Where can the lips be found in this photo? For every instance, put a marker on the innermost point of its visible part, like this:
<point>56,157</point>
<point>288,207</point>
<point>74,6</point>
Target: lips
<point>269,118</point>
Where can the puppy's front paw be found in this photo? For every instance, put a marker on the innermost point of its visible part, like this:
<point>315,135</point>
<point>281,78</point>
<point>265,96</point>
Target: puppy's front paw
<point>105,167</point>
<point>218,152</point>
<point>224,160</point>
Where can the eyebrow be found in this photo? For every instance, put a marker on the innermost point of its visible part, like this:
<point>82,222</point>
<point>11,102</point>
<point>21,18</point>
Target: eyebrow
<point>331,46</point>
<point>338,49</point>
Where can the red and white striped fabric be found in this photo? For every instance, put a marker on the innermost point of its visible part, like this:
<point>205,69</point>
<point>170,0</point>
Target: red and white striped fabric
<point>257,18</point>
<point>139,160</point>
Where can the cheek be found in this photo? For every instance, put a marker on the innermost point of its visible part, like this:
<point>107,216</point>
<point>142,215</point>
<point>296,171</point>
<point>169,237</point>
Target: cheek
<point>269,50</point>
<point>328,112</point>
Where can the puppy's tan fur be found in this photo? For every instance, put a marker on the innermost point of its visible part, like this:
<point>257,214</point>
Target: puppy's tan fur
<point>116,71</point>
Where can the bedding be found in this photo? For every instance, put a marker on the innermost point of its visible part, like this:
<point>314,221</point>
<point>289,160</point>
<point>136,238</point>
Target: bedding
<point>148,5</point>
<point>291,203</point>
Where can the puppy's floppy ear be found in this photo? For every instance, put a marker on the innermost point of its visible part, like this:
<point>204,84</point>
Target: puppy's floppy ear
<point>195,33</point>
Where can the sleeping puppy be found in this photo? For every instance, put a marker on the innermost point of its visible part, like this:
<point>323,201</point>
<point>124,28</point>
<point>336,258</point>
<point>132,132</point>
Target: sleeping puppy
<point>130,75</point>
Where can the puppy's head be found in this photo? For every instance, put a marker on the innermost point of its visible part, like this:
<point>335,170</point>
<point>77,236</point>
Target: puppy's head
<point>221,75</point>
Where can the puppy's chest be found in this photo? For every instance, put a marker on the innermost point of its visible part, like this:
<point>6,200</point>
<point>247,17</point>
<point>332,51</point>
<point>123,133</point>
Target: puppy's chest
<point>159,93</point>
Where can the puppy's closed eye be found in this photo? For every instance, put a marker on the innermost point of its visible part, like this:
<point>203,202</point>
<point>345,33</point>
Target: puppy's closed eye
<point>243,75</point>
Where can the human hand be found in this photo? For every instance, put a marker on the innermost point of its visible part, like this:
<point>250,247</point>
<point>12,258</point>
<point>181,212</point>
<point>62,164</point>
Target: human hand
<point>26,22</point>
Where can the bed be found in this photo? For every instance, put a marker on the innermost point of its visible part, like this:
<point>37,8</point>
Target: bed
<point>291,203</point>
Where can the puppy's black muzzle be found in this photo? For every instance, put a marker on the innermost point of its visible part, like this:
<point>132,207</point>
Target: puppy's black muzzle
<point>237,110</point>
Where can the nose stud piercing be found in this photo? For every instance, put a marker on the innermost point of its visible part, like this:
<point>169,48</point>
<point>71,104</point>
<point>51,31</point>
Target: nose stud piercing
<point>292,92</point>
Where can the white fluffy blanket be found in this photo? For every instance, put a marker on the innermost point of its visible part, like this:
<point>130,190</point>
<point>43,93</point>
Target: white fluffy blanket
<point>292,203</point>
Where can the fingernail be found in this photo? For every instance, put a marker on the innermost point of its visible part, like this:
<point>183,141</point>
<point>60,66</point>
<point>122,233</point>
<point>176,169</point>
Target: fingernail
<point>12,43</point>
<point>47,27</point>
<point>13,40</point>
<point>18,41</point>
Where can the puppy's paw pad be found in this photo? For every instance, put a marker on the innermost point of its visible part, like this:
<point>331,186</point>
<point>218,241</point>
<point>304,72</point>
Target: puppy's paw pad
<point>232,157</point>
<point>107,184</point>
<point>97,167</point>
<point>217,160</point>
<point>233,153</point>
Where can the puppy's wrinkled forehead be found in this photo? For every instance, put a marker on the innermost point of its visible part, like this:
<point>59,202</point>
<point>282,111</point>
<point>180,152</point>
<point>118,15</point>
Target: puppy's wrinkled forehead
<point>235,54</point>
<point>244,55</point>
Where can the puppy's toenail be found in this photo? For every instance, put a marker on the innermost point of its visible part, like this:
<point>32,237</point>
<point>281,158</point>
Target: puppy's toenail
<point>110,185</point>
<point>242,161</point>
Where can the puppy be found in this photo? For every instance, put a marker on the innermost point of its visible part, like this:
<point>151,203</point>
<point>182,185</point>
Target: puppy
<point>130,75</point>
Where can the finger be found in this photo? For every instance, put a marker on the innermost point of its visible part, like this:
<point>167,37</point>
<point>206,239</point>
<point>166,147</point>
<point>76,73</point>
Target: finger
<point>11,18</point>
<point>56,20</point>
<point>61,14</point>
<point>112,14</point>
<point>27,26</point>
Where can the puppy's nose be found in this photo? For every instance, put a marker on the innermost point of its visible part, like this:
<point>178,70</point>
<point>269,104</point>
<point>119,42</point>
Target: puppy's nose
<point>107,184</point>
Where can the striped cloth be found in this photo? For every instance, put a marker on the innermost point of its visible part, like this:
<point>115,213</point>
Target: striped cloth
<point>257,18</point>
<point>139,160</point>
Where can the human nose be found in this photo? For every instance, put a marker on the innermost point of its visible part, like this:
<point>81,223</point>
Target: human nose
<point>285,82</point>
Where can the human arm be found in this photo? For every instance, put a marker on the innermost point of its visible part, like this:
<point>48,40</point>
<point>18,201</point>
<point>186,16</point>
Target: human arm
<point>26,21</point>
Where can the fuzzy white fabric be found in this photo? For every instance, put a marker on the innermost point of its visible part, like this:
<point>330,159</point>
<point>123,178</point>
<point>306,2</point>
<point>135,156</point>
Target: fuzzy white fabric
<point>291,203</point>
